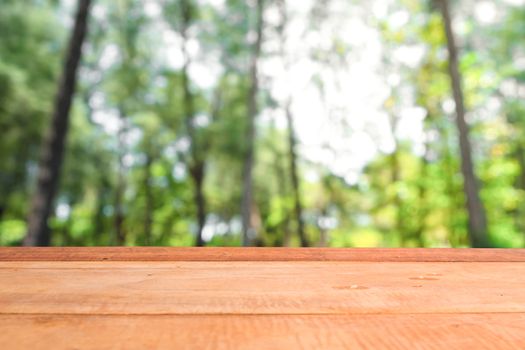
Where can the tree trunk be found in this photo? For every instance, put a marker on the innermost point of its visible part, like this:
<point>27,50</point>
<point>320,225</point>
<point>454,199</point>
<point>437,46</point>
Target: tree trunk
<point>120,233</point>
<point>38,233</point>
<point>98,217</point>
<point>197,174</point>
<point>2,212</point>
<point>477,221</point>
<point>395,178</point>
<point>148,211</point>
<point>520,211</point>
<point>422,198</point>
<point>248,230</point>
<point>520,156</point>
<point>280,171</point>
<point>296,186</point>
<point>195,162</point>
<point>323,233</point>
<point>292,141</point>
<point>452,190</point>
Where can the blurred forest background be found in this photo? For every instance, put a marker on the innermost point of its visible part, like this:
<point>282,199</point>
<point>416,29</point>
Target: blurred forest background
<point>336,123</point>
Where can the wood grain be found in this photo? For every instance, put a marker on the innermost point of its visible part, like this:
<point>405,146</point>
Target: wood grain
<point>227,298</point>
<point>258,254</point>
<point>188,288</point>
<point>388,332</point>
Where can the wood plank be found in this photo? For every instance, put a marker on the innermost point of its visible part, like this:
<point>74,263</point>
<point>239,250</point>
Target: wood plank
<point>184,288</point>
<point>258,254</point>
<point>426,331</point>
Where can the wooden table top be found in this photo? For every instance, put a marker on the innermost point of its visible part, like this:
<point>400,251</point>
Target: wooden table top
<point>261,298</point>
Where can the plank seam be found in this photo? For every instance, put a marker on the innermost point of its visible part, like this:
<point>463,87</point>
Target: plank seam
<point>264,314</point>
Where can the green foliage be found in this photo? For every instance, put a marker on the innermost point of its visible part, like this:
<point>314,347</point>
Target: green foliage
<point>130,126</point>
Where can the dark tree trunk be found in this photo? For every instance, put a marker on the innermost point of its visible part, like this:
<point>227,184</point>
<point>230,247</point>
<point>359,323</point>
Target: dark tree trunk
<point>248,230</point>
<point>120,233</point>
<point>195,162</point>
<point>296,186</point>
<point>38,233</point>
<point>292,142</point>
<point>2,212</point>
<point>98,217</point>
<point>148,211</point>
<point>197,174</point>
<point>477,221</point>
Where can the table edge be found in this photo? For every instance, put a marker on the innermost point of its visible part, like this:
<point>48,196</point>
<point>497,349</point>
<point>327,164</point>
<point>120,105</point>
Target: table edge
<point>260,254</point>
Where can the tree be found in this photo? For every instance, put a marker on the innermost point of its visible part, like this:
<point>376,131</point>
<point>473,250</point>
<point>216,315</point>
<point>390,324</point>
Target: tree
<point>186,109</point>
<point>28,57</point>
<point>247,202</point>
<point>195,163</point>
<point>120,190</point>
<point>53,146</point>
<point>292,139</point>
<point>477,221</point>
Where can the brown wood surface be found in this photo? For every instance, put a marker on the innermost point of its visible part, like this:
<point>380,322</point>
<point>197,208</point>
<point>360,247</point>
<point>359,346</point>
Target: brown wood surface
<point>259,254</point>
<point>388,332</point>
<point>131,298</point>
